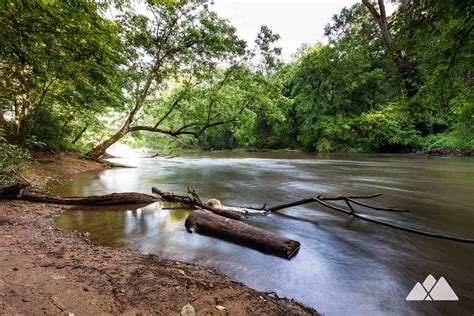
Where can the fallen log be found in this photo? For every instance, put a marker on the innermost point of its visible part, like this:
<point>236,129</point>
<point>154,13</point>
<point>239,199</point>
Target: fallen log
<point>206,223</point>
<point>13,189</point>
<point>325,201</point>
<point>19,192</point>
<point>162,156</point>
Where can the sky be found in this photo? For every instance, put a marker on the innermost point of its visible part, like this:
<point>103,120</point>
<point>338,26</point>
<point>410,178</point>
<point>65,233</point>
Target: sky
<point>297,22</point>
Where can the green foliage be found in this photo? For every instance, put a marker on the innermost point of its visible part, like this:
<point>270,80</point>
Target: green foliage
<point>60,64</point>
<point>180,76</point>
<point>387,129</point>
<point>13,159</point>
<point>462,139</point>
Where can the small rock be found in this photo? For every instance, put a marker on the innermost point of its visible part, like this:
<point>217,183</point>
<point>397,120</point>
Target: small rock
<point>188,310</point>
<point>220,308</point>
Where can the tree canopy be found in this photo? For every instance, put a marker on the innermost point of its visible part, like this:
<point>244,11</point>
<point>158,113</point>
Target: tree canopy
<point>82,75</point>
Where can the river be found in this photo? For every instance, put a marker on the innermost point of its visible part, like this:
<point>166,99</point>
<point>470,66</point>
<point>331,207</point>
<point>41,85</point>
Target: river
<point>345,265</point>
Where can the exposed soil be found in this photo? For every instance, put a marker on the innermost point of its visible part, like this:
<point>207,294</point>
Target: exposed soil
<point>445,152</point>
<point>47,166</point>
<point>45,271</point>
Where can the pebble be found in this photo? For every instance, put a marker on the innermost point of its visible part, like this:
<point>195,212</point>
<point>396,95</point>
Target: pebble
<point>188,310</point>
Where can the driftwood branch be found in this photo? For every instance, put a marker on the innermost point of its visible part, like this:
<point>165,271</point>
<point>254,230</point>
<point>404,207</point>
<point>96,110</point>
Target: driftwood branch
<point>347,199</point>
<point>194,201</point>
<point>162,156</point>
<point>27,193</point>
<point>322,200</point>
<point>191,201</point>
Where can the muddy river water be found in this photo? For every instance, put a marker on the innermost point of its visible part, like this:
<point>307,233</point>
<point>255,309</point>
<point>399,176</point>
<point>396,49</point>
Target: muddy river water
<point>345,266</point>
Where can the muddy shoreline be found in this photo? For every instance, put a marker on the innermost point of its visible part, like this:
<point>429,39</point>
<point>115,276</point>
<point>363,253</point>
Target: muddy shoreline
<point>46,271</point>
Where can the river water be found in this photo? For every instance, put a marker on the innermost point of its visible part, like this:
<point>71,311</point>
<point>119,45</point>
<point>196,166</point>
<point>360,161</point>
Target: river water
<point>345,265</point>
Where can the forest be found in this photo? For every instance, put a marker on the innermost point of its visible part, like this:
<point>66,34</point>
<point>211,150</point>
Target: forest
<point>305,184</point>
<point>82,75</point>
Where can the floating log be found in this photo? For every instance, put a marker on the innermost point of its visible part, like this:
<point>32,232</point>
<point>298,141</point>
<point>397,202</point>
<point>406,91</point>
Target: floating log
<point>19,192</point>
<point>206,223</point>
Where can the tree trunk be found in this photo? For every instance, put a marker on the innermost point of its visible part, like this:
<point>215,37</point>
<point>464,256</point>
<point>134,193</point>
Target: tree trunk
<point>79,135</point>
<point>408,72</point>
<point>19,192</point>
<point>405,66</point>
<point>100,149</point>
<point>207,223</point>
<point>3,122</point>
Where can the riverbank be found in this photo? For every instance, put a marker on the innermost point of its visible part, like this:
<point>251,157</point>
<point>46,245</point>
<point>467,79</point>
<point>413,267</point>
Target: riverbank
<point>434,152</point>
<point>46,166</point>
<point>44,270</point>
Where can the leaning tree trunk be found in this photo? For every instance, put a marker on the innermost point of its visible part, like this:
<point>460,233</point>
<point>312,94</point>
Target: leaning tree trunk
<point>207,223</point>
<point>100,149</point>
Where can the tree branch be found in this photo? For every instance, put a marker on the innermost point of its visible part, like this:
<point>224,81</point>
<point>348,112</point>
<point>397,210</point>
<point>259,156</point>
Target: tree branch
<point>172,107</point>
<point>372,10</point>
<point>183,129</point>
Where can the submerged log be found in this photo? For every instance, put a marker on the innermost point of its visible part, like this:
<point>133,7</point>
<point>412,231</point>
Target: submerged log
<point>206,223</point>
<point>29,194</point>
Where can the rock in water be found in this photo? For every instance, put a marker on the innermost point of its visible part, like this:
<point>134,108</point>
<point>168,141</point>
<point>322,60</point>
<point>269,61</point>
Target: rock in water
<point>188,310</point>
<point>215,203</point>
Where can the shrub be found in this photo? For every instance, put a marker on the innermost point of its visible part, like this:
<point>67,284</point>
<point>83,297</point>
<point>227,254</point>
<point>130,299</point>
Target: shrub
<point>13,160</point>
<point>388,129</point>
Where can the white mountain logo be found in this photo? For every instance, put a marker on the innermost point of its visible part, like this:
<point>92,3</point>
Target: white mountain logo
<point>432,290</point>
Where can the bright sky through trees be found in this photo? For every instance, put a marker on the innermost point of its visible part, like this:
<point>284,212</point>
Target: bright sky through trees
<point>297,22</point>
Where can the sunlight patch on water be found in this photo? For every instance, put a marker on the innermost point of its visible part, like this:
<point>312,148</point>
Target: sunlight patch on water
<point>125,151</point>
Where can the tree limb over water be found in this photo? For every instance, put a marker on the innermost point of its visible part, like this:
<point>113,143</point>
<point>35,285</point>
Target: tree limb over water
<point>195,201</point>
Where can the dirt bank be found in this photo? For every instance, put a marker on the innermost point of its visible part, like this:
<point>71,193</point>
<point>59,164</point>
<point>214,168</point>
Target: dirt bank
<point>46,166</point>
<point>445,152</point>
<point>45,271</point>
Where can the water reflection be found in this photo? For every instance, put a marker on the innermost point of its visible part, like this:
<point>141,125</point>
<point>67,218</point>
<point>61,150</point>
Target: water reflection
<point>345,266</point>
<point>120,226</point>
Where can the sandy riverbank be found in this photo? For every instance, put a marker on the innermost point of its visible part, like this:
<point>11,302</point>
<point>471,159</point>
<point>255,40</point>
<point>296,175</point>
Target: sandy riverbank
<point>45,271</point>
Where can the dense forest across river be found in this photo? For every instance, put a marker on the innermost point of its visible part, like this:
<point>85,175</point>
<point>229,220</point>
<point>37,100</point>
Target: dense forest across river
<point>82,75</point>
<point>301,148</point>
